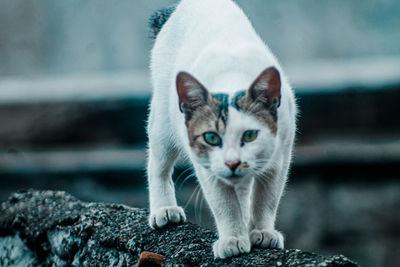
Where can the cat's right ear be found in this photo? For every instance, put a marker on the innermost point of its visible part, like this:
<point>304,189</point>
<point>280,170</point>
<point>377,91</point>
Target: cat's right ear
<point>191,93</point>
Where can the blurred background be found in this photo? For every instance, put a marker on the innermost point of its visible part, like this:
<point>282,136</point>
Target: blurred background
<point>74,91</point>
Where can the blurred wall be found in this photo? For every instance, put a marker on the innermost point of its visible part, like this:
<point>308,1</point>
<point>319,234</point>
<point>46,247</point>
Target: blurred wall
<point>55,37</point>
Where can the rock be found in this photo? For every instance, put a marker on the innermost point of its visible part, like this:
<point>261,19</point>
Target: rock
<point>54,228</point>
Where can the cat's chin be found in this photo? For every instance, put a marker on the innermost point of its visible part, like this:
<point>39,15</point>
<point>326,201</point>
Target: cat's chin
<point>235,177</point>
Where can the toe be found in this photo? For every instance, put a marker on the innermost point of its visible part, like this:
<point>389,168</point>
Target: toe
<point>266,238</point>
<point>166,215</point>
<point>230,246</point>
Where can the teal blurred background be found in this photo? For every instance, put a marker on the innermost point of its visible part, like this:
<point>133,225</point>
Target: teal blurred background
<point>74,90</point>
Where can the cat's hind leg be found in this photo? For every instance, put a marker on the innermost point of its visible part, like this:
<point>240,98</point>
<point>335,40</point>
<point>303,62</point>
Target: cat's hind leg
<point>162,156</point>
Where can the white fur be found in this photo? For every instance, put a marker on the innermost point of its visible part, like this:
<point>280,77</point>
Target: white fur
<point>214,41</point>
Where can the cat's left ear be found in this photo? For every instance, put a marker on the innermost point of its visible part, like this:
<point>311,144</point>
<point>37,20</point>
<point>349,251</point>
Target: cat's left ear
<point>267,88</point>
<point>192,94</point>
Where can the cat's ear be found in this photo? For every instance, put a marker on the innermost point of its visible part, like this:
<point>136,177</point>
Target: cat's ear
<point>191,93</point>
<point>267,88</point>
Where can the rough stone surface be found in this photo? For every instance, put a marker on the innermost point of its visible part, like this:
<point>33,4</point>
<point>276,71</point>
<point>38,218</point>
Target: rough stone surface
<point>43,228</point>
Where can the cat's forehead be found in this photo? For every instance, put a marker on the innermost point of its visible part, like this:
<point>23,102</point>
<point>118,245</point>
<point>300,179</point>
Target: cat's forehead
<point>241,121</point>
<point>239,110</point>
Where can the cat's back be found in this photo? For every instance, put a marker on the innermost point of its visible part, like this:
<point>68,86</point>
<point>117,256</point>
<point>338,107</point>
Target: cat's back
<point>208,21</point>
<point>195,14</point>
<point>212,32</point>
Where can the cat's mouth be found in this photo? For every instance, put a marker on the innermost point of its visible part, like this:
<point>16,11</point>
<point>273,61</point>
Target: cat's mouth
<point>239,172</point>
<point>236,175</point>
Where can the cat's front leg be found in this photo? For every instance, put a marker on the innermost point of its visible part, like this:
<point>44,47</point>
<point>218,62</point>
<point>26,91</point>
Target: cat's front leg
<point>233,238</point>
<point>267,191</point>
<point>161,159</point>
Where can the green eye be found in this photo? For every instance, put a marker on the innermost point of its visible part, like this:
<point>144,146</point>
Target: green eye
<point>249,136</point>
<point>212,139</point>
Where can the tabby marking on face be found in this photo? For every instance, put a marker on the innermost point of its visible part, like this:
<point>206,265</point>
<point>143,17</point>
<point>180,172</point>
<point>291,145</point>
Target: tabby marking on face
<point>212,116</point>
<point>244,102</point>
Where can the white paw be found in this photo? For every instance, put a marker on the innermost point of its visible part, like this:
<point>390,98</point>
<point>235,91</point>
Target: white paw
<point>166,215</point>
<point>231,246</point>
<point>266,238</point>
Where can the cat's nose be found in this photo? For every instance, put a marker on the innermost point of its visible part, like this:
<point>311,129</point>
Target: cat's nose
<point>232,164</point>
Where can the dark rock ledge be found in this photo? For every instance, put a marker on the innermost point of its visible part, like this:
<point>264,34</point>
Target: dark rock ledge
<point>49,228</point>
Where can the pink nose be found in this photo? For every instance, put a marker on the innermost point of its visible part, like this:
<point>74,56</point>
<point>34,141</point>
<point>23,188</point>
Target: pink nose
<point>232,164</point>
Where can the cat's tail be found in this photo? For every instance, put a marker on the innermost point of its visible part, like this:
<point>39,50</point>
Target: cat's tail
<point>158,19</point>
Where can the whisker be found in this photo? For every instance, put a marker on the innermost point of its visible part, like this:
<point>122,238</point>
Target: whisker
<point>185,180</point>
<point>182,174</point>
<point>196,206</point>
<point>202,200</point>
<point>197,188</point>
<point>201,206</point>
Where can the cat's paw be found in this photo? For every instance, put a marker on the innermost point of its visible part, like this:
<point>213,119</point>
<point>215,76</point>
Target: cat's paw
<point>266,238</point>
<point>230,246</point>
<point>166,215</point>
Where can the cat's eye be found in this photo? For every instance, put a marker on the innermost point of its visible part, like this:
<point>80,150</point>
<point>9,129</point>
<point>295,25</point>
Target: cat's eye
<point>212,138</point>
<point>249,136</point>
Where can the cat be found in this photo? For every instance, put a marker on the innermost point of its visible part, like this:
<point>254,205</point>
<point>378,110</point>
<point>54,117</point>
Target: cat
<point>221,100</point>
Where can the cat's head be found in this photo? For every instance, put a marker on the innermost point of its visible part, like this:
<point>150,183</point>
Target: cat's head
<point>231,136</point>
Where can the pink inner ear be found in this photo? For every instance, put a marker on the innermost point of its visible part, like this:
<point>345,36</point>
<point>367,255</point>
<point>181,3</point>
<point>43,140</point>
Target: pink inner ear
<point>268,84</point>
<point>191,92</point>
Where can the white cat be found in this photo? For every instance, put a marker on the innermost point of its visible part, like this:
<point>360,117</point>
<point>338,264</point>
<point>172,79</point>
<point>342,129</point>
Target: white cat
<point>220,99</point>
